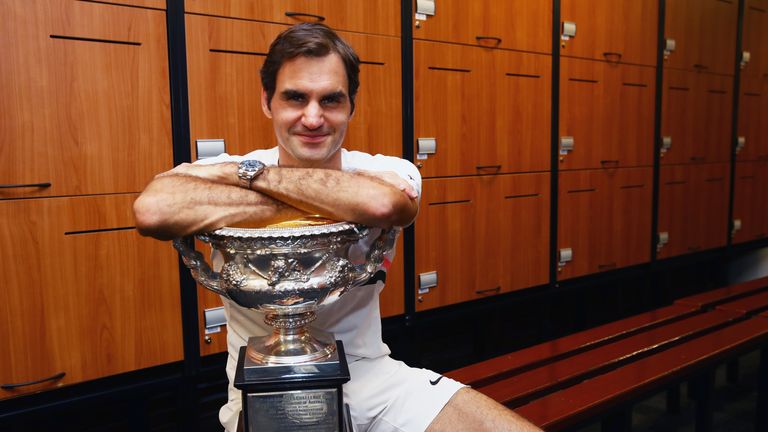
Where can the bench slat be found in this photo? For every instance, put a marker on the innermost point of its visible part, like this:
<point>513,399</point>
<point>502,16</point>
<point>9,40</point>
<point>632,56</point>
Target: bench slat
<point>485,372</point>
<point>590,398</point>
<point>710,299</point>
<point>522,388</point>
<point>747,305</point>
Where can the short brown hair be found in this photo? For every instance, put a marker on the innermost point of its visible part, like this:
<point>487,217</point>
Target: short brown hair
<point>309,40</point>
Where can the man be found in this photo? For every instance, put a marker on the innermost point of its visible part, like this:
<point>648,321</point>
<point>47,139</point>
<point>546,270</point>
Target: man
<point>310,79</point>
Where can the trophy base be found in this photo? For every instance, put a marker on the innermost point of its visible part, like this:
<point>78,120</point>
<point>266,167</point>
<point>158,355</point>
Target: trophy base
<point>293,397</point>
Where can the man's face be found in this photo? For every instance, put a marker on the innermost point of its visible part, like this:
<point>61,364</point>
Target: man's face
<point>310,111</point>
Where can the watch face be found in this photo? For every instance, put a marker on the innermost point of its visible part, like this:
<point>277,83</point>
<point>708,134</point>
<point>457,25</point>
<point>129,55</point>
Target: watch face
<point>251,165</point>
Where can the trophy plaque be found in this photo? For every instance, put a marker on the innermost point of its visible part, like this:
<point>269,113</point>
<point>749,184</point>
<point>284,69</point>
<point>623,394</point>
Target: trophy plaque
<point>291,380</point>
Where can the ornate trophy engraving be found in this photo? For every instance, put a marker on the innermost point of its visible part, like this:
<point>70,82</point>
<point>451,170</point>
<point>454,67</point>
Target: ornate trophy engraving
<point>291,379</point>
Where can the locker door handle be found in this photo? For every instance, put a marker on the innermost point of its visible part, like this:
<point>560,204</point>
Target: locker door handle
<point>606,266</point>
<point>493,38</point>
<point>319,18</point>
<point>612,55</point>
<point>28,185</point>
<point>56,377</point>
<point>700,66</point>
<point>496,168</point>
<point>609,162</point>
<point>489,290</point>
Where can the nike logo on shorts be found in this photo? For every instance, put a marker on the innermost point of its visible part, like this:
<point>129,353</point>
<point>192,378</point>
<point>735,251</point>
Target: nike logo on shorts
<point>435,381</point>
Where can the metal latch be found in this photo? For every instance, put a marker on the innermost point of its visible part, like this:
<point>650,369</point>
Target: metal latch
<point>666,144</point>
<point>740,143</point>
<point>736,226</point>
<point>427,281</point>
<point>566,145</point>
<point>669,47</point>
<point>207,148</point>
<point>425,7</point>
<point>214,319</point>
<point>569,30</point>
<point>745,55</point>
<point>663,240</point>
<point>426,145</point>
<point>565,256</point>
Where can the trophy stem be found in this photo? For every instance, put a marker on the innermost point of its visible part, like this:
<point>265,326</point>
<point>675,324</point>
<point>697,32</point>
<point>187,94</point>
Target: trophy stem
<point>291,341</point>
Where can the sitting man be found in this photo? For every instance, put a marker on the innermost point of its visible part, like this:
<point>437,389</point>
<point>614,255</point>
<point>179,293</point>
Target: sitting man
<point>309,79</point>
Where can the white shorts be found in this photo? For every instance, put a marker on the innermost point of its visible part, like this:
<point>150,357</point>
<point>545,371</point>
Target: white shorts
<point>386,395</point>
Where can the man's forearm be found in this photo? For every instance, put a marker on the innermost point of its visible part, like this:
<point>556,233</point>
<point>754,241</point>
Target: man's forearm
<point>339,195</point>
<point>175,205</point>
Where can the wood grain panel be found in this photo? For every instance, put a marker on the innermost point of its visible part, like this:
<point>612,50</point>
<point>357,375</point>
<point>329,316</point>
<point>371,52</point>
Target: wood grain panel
<point>483,235</point>
<point>369,16</point>
<point>518,24</point>
<point>704,32</point>
<point>693,207</point>
<point>750,201</point>
<point>84,293</point>
<point>605,218</point>
<point>614,31</point>
<point>224,59</point>
<point>608,110</point>
<point>85,100</point>
<point>445,241</point>
<point>514,86</point>
<point>152,4</point>
<point>713,141</point>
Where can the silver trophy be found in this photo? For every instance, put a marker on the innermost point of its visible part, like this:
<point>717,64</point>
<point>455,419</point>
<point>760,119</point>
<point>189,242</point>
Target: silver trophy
<point>291,379</point>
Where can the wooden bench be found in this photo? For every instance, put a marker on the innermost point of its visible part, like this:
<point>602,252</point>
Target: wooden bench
<point>618,388</point>
<point>710,299</point>
<point>647,351</point>
<point>489,371</point>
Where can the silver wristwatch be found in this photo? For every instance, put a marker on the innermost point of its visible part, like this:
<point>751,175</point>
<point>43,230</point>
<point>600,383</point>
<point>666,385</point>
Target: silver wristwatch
<point>248,170</point>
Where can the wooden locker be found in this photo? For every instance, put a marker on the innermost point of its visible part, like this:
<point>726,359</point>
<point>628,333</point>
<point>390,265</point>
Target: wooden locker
<point>713,126</point>
<point>446,242</point>
<point>607,110</point>
<point>85,99</point>
<point>693,208</point>
<point>753,109</point>
<point>704,32</point>
<point>513,24</point>
<point>750,201</point>
<point>696,116</point>
<point>84,294</point>
<point>151,4</point>
<point>710,220</point>
<point>483,236</point>
<point>513,86</point>
<point>755,41</point>
<point>369,16</point>
<point>612,31</point>
<point>675,211</point>
<point>604,219</point>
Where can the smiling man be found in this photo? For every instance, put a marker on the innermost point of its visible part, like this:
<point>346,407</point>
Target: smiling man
<point>309,80</point>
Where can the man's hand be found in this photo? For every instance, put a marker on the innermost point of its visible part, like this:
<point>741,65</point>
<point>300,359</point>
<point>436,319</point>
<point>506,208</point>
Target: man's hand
<point>222,173</point>
<point>394,180</point>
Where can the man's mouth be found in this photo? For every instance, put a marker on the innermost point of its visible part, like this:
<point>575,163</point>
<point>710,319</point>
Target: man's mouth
<point>312,138</point>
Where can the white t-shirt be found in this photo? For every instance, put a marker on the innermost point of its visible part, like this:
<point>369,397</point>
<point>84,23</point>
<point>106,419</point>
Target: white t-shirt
<point>354,318</point>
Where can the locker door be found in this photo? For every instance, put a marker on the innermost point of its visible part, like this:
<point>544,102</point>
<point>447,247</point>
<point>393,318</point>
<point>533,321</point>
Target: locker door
<point>713,142</point>
<point>679,119</point>
<point>676,209</point>
<point>513,24</point>
<point>710,195</point>
<point>750,201</point>
<point>446,241</point>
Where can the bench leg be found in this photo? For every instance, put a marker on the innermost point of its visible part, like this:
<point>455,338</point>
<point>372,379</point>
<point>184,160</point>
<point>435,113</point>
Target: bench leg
<point>673,399</point>
<point>619,421</point>
<point>732,371</point>
<point>761,422</point>
<point>704,386</point>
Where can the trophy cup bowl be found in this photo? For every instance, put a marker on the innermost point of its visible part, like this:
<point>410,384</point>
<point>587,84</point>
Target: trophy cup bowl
<point>286,271</point>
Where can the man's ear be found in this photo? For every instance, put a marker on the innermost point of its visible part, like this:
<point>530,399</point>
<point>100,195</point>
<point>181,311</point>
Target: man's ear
<point>265,104</point>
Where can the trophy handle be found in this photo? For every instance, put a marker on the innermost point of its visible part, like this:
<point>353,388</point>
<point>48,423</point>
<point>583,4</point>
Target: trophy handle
<point>381,246</point>
<point>197,265</point>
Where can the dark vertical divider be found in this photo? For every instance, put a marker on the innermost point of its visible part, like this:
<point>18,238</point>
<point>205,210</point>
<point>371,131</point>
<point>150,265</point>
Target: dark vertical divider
<point>177,57</point>
<point>660,45</point>
<point>735,116</point>
<point>409,242</point>
<point>554,136</point>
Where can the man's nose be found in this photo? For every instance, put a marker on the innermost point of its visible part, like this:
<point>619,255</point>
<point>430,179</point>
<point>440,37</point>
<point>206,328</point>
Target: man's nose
<point>313,116</point>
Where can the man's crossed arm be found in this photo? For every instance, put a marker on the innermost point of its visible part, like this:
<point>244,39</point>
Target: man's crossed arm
<point>197,198</point>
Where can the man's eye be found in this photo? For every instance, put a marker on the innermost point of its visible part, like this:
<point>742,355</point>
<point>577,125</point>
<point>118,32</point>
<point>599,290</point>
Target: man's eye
<point>331,101</point>
<point>296,98</point>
